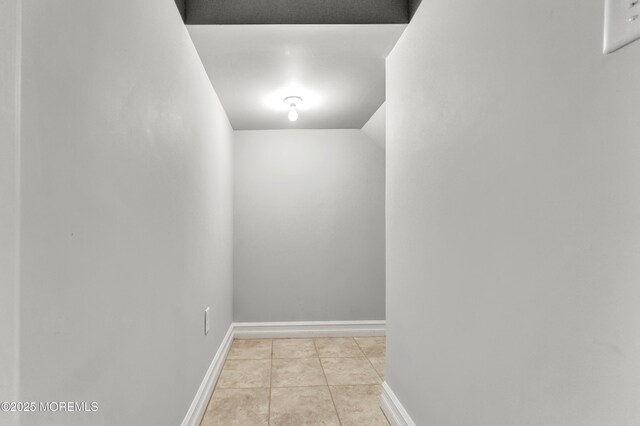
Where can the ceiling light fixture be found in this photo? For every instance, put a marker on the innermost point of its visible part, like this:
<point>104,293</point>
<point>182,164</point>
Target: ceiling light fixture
<point>293,102</point>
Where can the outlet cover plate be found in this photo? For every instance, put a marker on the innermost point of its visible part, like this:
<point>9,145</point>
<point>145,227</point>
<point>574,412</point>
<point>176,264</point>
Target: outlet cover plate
<point>621,23</point>
<point>207,322</point>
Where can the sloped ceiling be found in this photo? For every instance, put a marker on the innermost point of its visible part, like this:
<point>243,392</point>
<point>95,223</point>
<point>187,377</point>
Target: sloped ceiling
<point>329,52</point>
<point>338,70</point>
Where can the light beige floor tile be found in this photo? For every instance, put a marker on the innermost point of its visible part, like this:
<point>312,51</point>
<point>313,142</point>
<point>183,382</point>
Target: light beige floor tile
<point>310,406</point>
<point>372,346</point>
<point>297,372</point>
<point>245,373</point>
<point>294,348</point>
<point>378,365</point>
<point>335,347</point>
<point>299,395</point>
<point>250,349</point>
<point>359,405</point>
<point>238,407</point>
<point>349,371</point>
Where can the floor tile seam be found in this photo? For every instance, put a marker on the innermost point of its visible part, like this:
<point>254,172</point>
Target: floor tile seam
<point>298,386</point>
<point>237,388</point>
<point>352,338</point>
<point>355,384</point>
<point>297,373</point>
<point>349,386</point>
<point>335,408</point>
<point>206,410</point>
<point>374,368</point>
<point>308,386</point>
<point>343,357</point>
<point>359,384</point>
<point>247,359</point>
<point>270,384</point>
<point>296,357</point>
<point>361,349</point>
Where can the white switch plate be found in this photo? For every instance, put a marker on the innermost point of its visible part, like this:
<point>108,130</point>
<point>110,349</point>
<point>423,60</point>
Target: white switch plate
<point>206,321</point>
<point>621,23</point>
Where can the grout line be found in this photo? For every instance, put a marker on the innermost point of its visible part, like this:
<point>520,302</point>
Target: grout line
<point>355,385</point>
<point>308,386</point>
<point>362,354</point>
<point>305,386</point>
<point>270,386</point>
<point>252,387</point>
<point>304,357</point>
<point>328,387</point>
<point>207,408</point>
<point>370,363</point>
<point>359,347</point>
<point>343,357</point>
<point>374,369</point>
<point>247,359</point>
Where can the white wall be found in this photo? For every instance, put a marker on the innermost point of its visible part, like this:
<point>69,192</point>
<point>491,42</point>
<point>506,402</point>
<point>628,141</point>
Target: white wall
<point>126,212</point>
<point>9,203</point>
<point>309,226</point>
<point>376,127</point>
<point>513,217</point>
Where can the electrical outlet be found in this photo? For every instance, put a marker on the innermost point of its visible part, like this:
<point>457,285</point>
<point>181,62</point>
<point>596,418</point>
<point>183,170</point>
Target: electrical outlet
<point>621,23</point>
<point>206,321</point>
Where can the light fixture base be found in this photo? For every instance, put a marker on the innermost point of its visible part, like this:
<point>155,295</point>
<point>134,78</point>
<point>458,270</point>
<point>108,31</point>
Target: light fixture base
<point>292,100</point>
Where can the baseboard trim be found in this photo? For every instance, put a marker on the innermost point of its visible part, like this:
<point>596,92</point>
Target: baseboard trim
<point>393,408</point>
<point>271,330</point>
<point>199,405</point>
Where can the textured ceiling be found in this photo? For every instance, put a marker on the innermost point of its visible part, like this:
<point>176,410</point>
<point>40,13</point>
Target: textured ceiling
<point>338,70</point>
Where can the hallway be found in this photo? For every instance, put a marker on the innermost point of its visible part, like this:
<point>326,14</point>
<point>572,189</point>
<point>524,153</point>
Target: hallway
<point>308,212</point>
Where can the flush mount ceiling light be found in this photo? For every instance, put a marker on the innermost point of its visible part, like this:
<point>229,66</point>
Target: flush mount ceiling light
<point>293,102</point>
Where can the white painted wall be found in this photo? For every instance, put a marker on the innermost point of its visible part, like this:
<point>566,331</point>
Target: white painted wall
<point>9,204</point>
<point>309,226</point>
<point>376,127</point>
<point>126,212</point>
<point>513,217</point>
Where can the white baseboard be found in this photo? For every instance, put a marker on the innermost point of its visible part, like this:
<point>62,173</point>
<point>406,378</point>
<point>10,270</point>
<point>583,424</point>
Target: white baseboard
<point>393,409</point>
<point>199,405</point>
<point>270,330</point>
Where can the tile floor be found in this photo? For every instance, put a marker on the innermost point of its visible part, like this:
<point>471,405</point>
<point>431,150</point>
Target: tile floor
<point>300,382</point>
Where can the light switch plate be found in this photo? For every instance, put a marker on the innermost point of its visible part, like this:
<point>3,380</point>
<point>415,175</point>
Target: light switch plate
<point>206,321</point>
<point>621,23</point>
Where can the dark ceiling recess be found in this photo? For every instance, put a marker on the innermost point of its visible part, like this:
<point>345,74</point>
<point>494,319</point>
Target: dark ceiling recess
<point>413,6</point>
<point>182,8</point>
<point>248,12</point>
